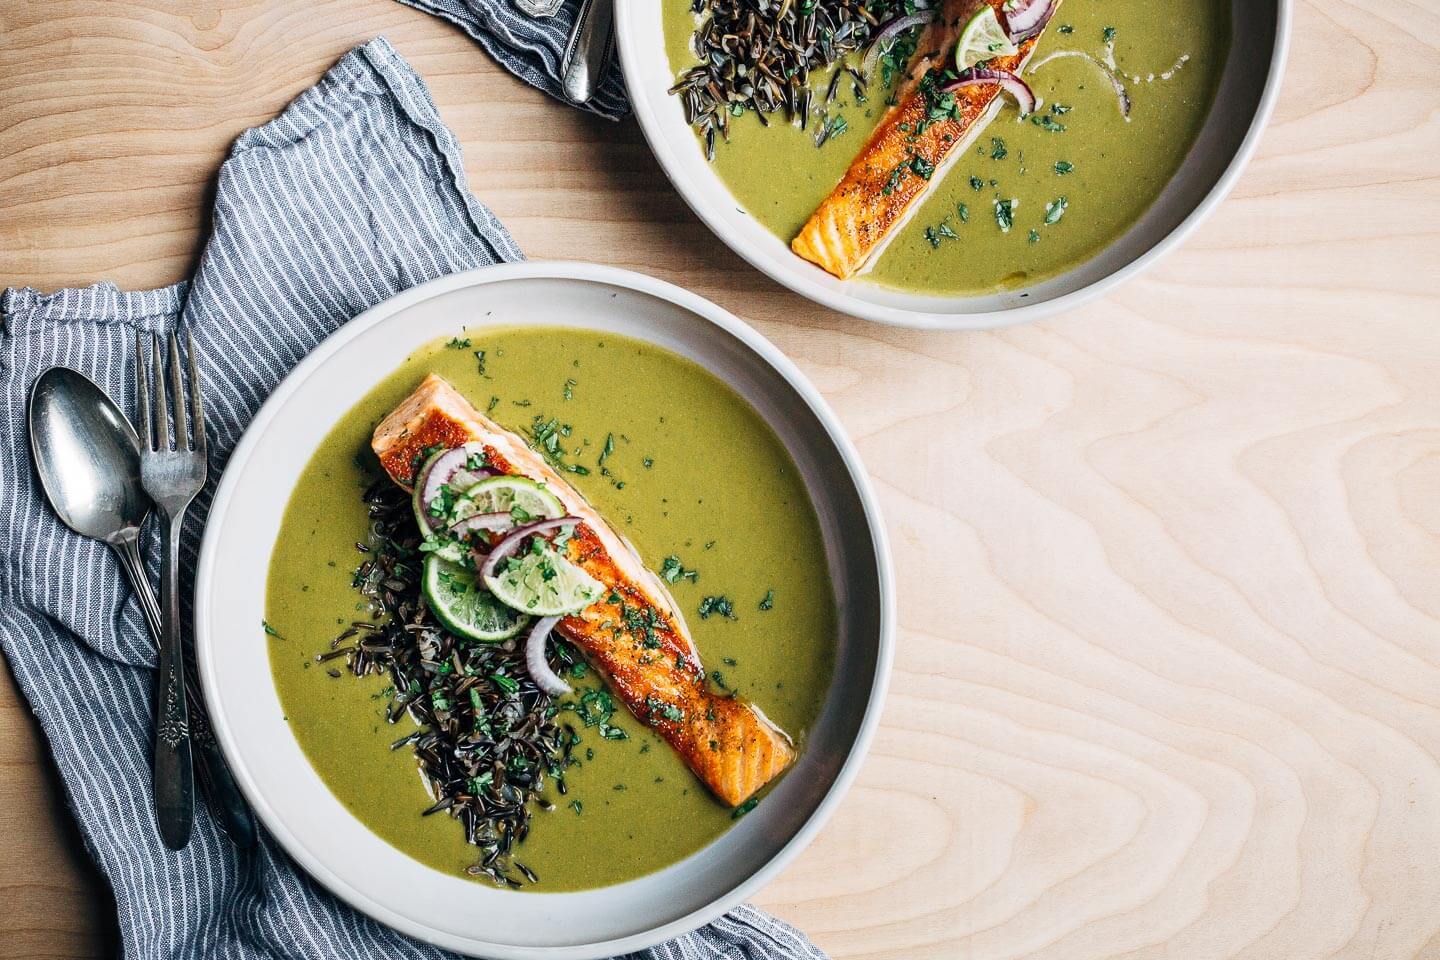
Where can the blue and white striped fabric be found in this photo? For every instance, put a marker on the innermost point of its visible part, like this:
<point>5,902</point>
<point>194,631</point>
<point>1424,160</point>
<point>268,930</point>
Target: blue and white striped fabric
<point>530,48</point>
<point>355,193</point>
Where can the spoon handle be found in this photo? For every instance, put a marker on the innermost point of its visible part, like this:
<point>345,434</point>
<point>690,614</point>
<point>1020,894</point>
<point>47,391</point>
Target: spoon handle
<point>588,49</point>
<point>227,804</point>
<point>174,778</point>
<point>128,550</point>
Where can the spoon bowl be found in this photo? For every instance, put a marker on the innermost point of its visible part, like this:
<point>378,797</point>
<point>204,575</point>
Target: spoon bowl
<point>87,456</point>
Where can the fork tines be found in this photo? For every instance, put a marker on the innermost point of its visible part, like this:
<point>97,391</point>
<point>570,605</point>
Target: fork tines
<point>156,410</point>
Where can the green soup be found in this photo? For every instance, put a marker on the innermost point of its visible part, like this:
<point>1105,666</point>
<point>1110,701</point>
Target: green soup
<point>1031,197</point>
<point>694,473</point>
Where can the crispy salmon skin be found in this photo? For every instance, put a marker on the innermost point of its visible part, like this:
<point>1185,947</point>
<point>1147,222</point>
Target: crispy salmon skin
<point>633,636</point>
<point>907,153</point>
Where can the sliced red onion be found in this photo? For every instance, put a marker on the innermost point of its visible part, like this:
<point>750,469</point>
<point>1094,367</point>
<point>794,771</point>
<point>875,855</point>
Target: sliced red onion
<point>441,472</point>
<point>1009,82</point>
<point>545,678</point>
<point>482,523</point>
<point>419,482</point>
<point>513,539</point>
<point>1122,96</point>
<point>1028,18</point>
<point>888,32</point>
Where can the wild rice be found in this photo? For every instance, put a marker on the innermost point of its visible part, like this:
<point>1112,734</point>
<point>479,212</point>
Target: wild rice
<point>488,742</point>
<point>759,54</point>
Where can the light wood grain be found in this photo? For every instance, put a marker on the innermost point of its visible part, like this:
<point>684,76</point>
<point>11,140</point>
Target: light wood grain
<point>1168,681</point>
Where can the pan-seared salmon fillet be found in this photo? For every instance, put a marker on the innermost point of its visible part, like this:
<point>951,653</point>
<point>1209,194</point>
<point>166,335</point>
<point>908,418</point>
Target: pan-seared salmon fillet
<point>634,636</point>
<point>908,152</point>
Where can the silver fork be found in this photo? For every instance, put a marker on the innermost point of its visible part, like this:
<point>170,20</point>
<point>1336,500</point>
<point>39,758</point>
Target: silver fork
<point>171,477</point>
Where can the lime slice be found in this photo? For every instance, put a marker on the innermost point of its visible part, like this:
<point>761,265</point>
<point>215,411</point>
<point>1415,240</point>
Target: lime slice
<point>446,549</point>
<point>542,582</point>
<point>523,498</point>
<point>982,38</point>
<point>464,606</point>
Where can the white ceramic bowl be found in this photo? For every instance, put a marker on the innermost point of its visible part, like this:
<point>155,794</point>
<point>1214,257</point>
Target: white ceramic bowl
<point>1249,86</point>
<point>289,796</point>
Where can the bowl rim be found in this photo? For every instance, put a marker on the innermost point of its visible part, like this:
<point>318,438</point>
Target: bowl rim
<point>627,13</point>
<point>797,382</point>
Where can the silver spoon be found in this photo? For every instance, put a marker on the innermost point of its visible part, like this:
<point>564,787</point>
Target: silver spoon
<point>588,49</point>
<point>88,459</point>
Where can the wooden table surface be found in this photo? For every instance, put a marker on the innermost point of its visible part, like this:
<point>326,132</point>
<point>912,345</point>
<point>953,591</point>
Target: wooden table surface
<point>1168,678</point>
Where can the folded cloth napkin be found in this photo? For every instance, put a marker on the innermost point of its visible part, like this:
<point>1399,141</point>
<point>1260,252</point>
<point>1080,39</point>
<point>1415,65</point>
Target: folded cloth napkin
<point>528,47</point>
<point>353,194</point>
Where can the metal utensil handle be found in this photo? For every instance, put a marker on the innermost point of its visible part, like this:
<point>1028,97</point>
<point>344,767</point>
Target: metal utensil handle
<point>227,804</point>
<point>174,779</point>
<point>128,550</point>
<point>540,9</point>
<point>588,49</point>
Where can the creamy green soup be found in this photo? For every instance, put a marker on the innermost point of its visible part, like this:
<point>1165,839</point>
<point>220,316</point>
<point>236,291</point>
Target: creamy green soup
<point>1033,196</point>
<point>694,473</point>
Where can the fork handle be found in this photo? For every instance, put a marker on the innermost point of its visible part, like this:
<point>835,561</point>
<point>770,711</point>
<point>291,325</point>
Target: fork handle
<point>227,805</point>
<point>174,777</point>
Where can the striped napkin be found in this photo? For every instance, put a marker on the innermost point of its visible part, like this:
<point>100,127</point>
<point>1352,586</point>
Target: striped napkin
<point>529,48</point>
<point>355,193</point>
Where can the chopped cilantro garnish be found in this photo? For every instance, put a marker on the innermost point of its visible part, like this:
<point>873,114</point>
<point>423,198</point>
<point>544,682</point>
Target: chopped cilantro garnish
<point>672,571</point>
<point>596,708</point>
<point>894,57</point>
<point>744,808</point>
<point>1005,214</point>
<point>545,436</point>
<point>654,705</point>
<point>894,179</point>
<point>721,605</point>
<point>921,167</point>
